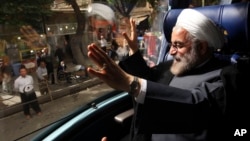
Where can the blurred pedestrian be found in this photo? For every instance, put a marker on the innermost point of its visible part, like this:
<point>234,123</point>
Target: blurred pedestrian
<point>7,72</point>
<point>112,52</point>
<point>42,75</point>
<point>38,58</point>
<point>47,58</point>
<point>24,84</point>
<point>59,55</point>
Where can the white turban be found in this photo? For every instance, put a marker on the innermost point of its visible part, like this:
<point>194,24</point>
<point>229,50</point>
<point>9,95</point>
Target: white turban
<point>201,27</point>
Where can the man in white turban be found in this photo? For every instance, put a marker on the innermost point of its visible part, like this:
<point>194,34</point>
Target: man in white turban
<point>179,100</point>
<point>204,34</point>
<point>201,27</point>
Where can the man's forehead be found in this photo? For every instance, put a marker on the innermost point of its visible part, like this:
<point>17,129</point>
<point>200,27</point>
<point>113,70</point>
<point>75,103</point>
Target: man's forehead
<point>179,34</point>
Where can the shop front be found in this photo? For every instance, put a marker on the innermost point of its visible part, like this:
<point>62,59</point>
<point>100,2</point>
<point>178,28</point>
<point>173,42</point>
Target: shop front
<point>19,53</point>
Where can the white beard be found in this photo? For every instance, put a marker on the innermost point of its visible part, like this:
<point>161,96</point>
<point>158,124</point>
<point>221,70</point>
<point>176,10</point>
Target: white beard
<point>185,63</point>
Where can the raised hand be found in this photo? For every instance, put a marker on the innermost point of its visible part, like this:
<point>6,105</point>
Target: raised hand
<point>108,70</point>
<point>132,40</point>
<point>31,37</point>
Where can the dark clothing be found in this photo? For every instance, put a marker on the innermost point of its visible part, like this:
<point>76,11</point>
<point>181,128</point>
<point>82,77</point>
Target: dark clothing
<point>176,4</point>
<point>61,68</point>
<point>43,86</point>
<point>60,57</point>
<point>185,108</point>
<point>69,51</point>
<point>62,74</point>
<point>29,100</point>
<point>112,54</point>
<point>50,68</point>
<point>234,78</point>
<point>38,60</point>
<point>104,48</point>
<point>7,69</point>
<point>59,54</point>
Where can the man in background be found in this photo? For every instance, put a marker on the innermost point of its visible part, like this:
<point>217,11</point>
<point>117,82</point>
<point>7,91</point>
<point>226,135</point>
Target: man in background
<point>42,74</point>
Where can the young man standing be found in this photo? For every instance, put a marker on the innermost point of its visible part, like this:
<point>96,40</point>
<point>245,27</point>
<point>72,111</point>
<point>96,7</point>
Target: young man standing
<point>24,84</point>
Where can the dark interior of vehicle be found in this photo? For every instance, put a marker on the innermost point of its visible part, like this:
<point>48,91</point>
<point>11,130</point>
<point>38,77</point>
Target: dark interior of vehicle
<point>113,117</point>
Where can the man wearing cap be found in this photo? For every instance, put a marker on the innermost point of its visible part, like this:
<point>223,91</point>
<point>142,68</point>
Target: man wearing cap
<point>179,100</point>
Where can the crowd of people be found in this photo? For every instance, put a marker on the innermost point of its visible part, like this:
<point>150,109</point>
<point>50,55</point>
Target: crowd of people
<point>14,83</point>
<point>6,74</point>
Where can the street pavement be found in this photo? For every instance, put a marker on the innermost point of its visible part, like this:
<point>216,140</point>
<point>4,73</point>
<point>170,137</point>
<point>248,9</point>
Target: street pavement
<point>62,100</point>
<point>10,103</point>
<point>14,126</point>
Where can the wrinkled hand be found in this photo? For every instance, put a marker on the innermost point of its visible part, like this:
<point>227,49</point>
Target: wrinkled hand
<point>31,37</point>
<point>132,40</point>
<point>109,71</point>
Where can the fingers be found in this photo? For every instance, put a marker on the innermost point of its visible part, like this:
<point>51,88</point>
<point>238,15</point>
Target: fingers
<point>29,33</point>
<point>125,35</point>
<point>133,28</point>
<point>98,74</point>
<point>132,40</point>
<point>104,139</point>
<point>98,55</point>
<point>28,30</point>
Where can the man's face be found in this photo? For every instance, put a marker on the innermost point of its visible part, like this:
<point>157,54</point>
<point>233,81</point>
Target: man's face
<point>23,72</point>
<point>42,64</point>
<point>185,55</point>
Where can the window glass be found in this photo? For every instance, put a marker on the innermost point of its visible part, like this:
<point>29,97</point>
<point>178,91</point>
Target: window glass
<point>57,39</point>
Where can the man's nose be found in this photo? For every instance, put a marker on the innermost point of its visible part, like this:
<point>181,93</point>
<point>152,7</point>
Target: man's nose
<point>172,50</point>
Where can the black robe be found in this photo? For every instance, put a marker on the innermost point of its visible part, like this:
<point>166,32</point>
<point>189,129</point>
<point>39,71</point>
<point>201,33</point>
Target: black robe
<point>193,113</point>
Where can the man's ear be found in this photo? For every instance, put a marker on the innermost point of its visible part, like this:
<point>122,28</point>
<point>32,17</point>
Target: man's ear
<point>204,47</point>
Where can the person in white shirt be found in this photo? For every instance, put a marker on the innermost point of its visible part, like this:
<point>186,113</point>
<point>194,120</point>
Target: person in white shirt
<point>42,74</point>
<point>24,84</point>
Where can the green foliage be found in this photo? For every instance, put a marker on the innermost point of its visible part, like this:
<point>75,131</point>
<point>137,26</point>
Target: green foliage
<point>124,7</point>
<point>125,1</point>
<point>24,12</point>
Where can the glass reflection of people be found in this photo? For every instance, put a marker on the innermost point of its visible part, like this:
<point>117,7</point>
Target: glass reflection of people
<point>24,84</point>
<point>112,52</point>
<point>103,43</point>
<point>6,72</point>
<point>179,100</point>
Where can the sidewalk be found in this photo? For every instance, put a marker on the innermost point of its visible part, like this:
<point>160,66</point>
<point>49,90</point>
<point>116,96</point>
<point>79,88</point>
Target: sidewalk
<point>11,103</point>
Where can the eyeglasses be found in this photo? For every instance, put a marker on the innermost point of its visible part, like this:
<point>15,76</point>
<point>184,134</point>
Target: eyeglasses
<point>177,45</point>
